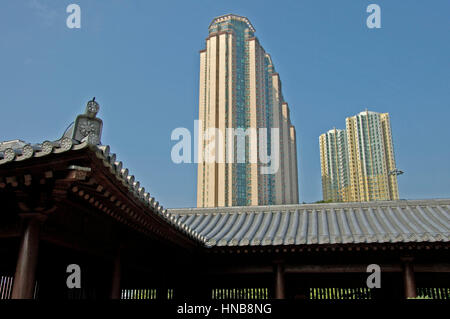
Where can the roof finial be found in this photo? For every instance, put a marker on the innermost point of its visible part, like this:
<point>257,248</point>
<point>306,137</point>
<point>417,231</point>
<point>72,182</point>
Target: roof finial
<point>92,108</point>
<point>88,125</point>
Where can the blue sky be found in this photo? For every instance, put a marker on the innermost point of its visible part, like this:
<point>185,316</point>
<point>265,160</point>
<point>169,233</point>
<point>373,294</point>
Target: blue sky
<point>140,60</point>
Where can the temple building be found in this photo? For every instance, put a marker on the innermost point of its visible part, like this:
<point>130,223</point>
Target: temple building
<point>73,202</point>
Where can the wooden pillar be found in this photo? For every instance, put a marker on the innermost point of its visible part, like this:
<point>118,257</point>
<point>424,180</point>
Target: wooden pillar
<point>25,276</point>
<point>279,280</point>
<point>117,273</point>
<point>408,278</point>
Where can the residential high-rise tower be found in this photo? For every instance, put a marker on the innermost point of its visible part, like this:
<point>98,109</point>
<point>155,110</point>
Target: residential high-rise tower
<point>334,165</point>
<point>358,163</point>
<point>239,89</point>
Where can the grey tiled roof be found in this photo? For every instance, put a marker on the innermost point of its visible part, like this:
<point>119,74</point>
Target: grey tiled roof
<point>374,222</point>
<point>18,151</point>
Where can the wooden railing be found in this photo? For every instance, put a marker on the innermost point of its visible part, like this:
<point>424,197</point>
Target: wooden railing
<point>340,293</point>
<point>6,283</point>
<point>240,293</point>
<point>143,294</point>
<point>433,293</point>
<point>365,293</point>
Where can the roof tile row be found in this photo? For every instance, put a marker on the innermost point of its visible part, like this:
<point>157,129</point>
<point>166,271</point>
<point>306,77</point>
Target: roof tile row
<point>377,222</point>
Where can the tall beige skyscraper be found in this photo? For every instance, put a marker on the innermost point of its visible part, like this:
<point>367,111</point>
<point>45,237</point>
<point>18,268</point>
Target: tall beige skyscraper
<point>358,163</point>
<point>239,89</point>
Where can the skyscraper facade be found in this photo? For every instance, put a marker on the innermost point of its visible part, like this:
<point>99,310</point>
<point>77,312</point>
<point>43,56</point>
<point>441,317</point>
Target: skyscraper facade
<point>358,163</point>
<point>240,89</point>
<point>334,165</point>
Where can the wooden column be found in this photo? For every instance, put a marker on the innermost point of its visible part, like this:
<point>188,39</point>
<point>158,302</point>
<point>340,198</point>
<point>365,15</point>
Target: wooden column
<point>408,278</point>
<point>25,276</point>
<point>117,273</point>
<point>279,280</point>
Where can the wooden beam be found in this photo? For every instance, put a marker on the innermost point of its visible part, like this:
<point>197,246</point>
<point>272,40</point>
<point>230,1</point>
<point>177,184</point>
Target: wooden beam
<point>327,268</point>
<point>442,267</point>
<point>241,270</point>
<point>11,230</point>
<point>36,166</point>
<point>339,268</point>
<point>122,193</point>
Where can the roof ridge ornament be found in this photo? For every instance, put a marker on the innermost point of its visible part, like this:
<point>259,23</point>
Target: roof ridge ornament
<point>88,127</point>
<point>92,108</point>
